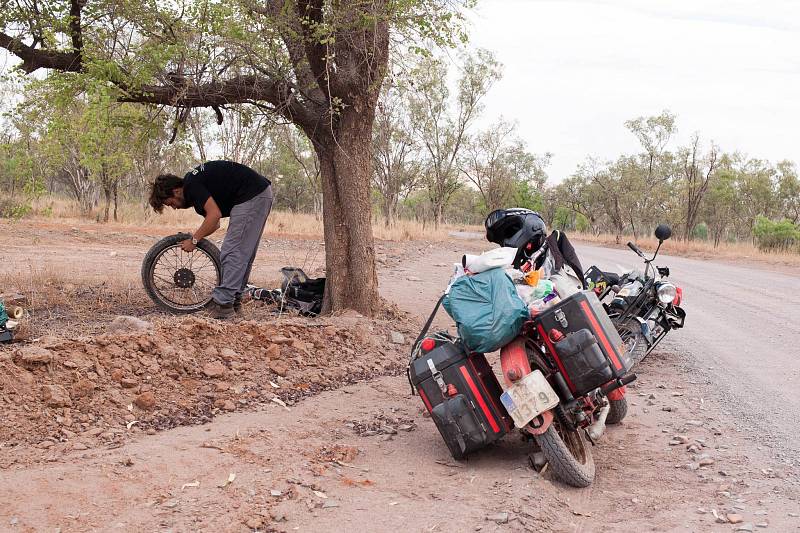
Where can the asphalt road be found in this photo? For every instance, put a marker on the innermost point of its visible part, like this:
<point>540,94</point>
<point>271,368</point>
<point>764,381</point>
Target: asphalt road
<point>743,334</point>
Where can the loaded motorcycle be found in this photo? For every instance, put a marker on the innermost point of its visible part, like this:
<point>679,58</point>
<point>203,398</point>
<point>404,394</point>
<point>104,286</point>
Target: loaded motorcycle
<point>644,307</point>
<point>565,373</point>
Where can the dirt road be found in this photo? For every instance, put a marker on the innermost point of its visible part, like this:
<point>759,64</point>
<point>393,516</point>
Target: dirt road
<point>364,457</point>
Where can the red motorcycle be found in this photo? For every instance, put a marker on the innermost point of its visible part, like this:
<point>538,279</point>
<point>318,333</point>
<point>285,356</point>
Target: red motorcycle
<point>565,378</point>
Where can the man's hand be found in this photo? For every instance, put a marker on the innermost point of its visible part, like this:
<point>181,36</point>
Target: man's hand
<point>187,246</point>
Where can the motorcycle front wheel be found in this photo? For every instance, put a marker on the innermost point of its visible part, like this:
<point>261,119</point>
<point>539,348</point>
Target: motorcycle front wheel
<point>568,454</point>
<point>618,409</point>
<point>178,281</point>
<point>635,343</point>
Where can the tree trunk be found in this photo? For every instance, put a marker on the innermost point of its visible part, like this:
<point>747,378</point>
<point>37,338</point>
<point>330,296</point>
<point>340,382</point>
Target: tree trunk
<point>346,169</point>
<point>438,211</point>
<point>116,200</point>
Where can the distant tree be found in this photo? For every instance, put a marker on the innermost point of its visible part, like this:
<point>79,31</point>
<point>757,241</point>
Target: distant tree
<point>697,170</point>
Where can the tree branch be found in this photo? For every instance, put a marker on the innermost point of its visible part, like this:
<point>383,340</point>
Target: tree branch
<point>36,58</point>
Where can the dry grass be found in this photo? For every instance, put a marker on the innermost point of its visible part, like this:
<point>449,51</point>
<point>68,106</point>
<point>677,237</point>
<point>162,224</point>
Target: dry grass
<point>281,223</point>
<point>697,249</point>
<point>57,300</point>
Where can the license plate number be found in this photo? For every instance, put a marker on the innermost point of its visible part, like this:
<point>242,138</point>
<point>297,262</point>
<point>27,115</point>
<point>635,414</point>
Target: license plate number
<point>528,398</point>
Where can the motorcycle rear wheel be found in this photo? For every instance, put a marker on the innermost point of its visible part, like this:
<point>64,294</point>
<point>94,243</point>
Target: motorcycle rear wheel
<point>178,281</point>
<point>568,454</point>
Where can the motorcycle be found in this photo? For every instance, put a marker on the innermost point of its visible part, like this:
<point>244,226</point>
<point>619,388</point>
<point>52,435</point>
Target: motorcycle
<point>644,307</point>
<point>565,377</point>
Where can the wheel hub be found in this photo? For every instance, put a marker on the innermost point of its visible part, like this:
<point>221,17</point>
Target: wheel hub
<point>184,278</point>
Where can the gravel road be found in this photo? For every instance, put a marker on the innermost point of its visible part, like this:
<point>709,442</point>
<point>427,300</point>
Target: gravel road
<point>742,332</point>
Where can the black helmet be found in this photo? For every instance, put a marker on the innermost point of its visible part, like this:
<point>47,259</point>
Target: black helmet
<point>515,227</point>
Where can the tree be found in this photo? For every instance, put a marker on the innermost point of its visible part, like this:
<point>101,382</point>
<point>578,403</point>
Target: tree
<point>318,64</point>
<point>697,172</point>
<point>496,161</point>
<point>395,153</point>
<point>441,127</point>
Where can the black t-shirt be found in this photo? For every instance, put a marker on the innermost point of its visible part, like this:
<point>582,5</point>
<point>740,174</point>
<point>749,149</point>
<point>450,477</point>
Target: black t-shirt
<point>228,183</point>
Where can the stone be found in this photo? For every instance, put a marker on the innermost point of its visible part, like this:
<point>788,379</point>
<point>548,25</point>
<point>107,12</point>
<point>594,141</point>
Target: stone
<point>214,369</point>
<point>56,396</point>
<point>763,524</point>
<point>734,518</point>
<point>279,367</point>
<point>35,355</point>
<point>499,518</point>
<point>228,355</point>
<point>329,504</point>
<point>254,522</point>
<point>145,401</point>
<point>745,527</point>
<point>124,323</point>
<point>83,388</point>
<point>228,405</point>
<point>706,461</point>
<point>273,351</point>
<point>128,383</point>
<point>396,337</point>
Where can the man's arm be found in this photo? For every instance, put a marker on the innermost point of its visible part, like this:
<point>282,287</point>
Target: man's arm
<point>210,224</point>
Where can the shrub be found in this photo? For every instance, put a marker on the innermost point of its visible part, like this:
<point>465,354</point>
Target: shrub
<point>776,235</point>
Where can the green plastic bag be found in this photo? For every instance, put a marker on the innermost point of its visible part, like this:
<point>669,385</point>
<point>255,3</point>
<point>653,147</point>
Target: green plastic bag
<point>486,309</point>
<point>3,314</point>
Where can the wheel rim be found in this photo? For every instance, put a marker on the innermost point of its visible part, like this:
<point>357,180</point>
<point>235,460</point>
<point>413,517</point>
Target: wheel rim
<point>574,443</point>
<point>184,280</point>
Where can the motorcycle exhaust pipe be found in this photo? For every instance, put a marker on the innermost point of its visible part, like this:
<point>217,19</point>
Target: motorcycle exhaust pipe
<point>598,427</point>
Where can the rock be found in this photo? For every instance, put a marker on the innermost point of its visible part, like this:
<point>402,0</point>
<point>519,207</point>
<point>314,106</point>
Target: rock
<point>128,383</point>
<point>83,388</point>
<point>667,409</point>
<point>706,461</point>
<point>254,522</point>
<point>762,524</point>
<point>228,355</point>
<point>745,527</point>
<point>273,351</point>
<point>229,405</point>
<point>734,518</point>
<point>279,367</point>
<point>117,374</point>
<point>145,400</point>
<point>35,355</point>
<point>694,422</point>
<point>124,323</point>
<point>79,446</point>
<point>56,396</point>
<point>280,339</point>
<point>396,337</point>
<point>328,504</point>
<point>214,369</point>
<point>499,518</point>
<point>113,253</point>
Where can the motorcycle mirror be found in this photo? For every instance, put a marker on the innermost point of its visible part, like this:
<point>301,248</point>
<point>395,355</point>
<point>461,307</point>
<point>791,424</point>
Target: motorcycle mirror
<point>663,232</point>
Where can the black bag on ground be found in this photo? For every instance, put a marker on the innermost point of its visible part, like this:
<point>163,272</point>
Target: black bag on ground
<point>301,292</point>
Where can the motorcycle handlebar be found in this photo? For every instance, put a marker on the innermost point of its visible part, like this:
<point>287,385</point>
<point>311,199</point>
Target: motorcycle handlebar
<point>634,248</point>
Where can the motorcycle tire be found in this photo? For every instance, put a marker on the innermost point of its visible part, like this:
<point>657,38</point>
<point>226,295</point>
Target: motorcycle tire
<point>571,463</point>
<point>184,276</point>
<point>631,331</point>
<point>618,409</point>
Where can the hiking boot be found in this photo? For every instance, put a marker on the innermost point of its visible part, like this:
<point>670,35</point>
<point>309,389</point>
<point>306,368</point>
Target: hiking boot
<point>220,311</point>
<point>237,305</point>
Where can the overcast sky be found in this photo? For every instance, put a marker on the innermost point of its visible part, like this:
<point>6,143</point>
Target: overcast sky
<point>576,70</point>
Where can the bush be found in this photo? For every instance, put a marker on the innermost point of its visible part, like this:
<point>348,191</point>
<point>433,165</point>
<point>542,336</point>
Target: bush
<point>700,232</point>
<point>776,235</point>
<point>10,208</point>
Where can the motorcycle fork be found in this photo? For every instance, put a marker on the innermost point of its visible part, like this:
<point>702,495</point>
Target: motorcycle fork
<point>515,365</point>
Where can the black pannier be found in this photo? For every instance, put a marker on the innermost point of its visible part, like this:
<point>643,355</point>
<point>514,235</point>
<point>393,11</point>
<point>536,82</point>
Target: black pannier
<point>460,390</point>
<point>583,342</point>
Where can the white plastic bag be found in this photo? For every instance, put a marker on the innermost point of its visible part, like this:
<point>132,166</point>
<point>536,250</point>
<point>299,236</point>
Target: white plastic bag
<point>497,258</point>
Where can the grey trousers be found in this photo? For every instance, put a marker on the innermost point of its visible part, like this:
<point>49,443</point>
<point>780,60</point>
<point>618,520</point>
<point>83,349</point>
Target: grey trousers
<point>241,245</point>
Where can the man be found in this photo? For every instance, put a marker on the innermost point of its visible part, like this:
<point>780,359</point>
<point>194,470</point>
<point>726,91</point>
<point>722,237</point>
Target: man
<point>218,189</point>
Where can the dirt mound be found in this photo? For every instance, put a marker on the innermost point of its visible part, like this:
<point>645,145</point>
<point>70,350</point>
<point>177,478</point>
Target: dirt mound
<point>69,394</point>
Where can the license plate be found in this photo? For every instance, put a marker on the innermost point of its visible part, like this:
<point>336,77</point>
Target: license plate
<point>528,398</point>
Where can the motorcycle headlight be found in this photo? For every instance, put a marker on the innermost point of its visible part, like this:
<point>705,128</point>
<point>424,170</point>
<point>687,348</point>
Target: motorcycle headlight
<point>666,293</point>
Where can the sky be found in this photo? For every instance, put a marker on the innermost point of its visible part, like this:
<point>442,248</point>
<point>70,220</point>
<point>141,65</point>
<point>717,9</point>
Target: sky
<point>575,71</point>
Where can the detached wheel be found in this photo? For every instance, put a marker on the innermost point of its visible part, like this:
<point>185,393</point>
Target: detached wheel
<point>178,281</point>
<point>618,409</point>
<point>568,454</point>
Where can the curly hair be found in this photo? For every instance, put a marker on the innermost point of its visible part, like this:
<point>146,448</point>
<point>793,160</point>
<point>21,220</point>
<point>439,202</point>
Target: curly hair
<point>162,189</point>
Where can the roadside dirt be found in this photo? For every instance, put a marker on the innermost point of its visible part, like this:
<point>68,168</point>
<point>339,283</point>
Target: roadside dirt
<point>360,456</point>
